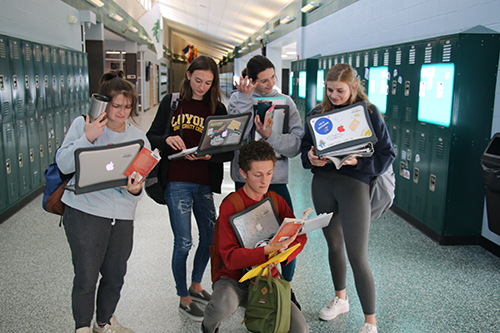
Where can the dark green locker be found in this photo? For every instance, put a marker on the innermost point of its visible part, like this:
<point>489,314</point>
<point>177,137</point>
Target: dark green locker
<point>4,201</point>
<point>58,128</point>
<point>30,93</point>
<point>420,166</point>
<point>63,78</point>
<point>39,78</point>
<point>86,93</point>
<point>66,122</point>
<point>76,90</point>
<point>47,79</point>
<point>23,157</point>
<point>70,79</point>
<point>18,83</point>
<point>56,77</point>
<point>11,161</point>
<point>34,152</point>
<point>320,78</point>
<point>79,83</point>
<point>305,74</point>
<point>51,136</point>
<point>7,111</point>
<point>43,147</point>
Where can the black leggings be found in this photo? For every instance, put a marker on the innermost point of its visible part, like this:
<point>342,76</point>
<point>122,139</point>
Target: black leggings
<point>349,199</point>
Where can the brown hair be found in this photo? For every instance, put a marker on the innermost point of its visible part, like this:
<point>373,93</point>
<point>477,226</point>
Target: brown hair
<point>213,95</point>
<point>255,151</point>
<point>256,65</point>
<point>344,73</point>
<point>113,83</point>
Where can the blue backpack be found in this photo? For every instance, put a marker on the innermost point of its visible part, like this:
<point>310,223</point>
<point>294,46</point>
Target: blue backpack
<point>55,180</point>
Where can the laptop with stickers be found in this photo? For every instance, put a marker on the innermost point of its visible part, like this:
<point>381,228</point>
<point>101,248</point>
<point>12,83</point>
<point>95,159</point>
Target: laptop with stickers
<point>102,167</point>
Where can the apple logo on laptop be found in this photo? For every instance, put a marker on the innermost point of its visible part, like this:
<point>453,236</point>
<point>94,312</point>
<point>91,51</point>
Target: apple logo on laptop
<point>110,166</point>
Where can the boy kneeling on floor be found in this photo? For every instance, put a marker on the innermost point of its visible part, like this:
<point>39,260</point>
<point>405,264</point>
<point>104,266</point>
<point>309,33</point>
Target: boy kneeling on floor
<point>256,161</point>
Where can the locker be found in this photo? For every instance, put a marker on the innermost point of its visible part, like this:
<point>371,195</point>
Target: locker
<point>4,202</point>
<point>86,93</point>
<point>56,77</point>
<point>47,79</point>
<point>58,128</point>
<point>18,78</point>
<point>43,147</point>
<point>305,74</point>
<point>29,79</point>
<point>7,114</point>
<point>63,79</point>
<point>39,79</point>
<point>65,123</point>
<point>70,80</point>
<point>420,167</point>
<point>34,153</point>
<point>23,157</point>
<point>11,161</point>
<point>79,78</point>
<point>51,136</point>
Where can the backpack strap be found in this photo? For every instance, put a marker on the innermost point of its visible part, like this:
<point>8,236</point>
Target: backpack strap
<point>274,198</point>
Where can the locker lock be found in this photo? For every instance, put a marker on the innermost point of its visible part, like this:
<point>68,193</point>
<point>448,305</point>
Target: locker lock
<point>14,82</point>
<point>394,86</point>
<point>402,169</point>
<point>407,88</point>
<point>432,183</point>
<point>41,151</point>
<point>50,146</point>
<point>26,82</point>
<point>8,166</point>
<point>32,155</point>
<point>415,175</point>
<point>2,85</point>
<point>20,157</point>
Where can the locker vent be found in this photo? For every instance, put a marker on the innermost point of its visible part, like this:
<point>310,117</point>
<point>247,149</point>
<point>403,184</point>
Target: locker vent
<point>31,107</point>
<point>394,135</point>
<point>19,106</point>
<point>8,135</point>
<point>40,104</point>
<point>399,56</point>
<point>395,111</point>
<point>408,114</point>
<point>407,139</point>
<point>342,60</point>
<point>358,60</point>
<point>428,54</point>
<point>412,57</point>
<point>375,59</point>
<point>80,59</point>
<point>6,109</point>
<point>440,150</point>
<point>421,144</point>
<point>49,101</point>
<point>447,52</point>
<point>54,56</point>
<point>386,58</point>
<point>69,59</point>
<point>2,51</point>
<point>63,57</point>
<point>27,52</point>
<point>22,130</point>
<point>86,64</point>
<point>367,60</point>
<point>41,124</point>
<point>350,60</point>
<point>32,127</point>
<point>38,54</point>
<point>15,50</point>
<point>46,54</point>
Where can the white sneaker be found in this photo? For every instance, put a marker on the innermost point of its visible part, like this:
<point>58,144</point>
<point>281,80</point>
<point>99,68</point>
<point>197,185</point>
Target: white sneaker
<point>368,328</point>
<point>83,330</point>
<point>112,327</point>
<point>335,307</point>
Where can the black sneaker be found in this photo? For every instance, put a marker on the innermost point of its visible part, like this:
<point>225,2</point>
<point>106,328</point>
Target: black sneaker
<point>192,311</point>
<point>204,297</point>
<point>294,300</point>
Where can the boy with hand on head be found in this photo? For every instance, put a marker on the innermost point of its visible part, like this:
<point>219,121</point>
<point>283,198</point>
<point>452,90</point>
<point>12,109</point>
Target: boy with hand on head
<point>256,161</point>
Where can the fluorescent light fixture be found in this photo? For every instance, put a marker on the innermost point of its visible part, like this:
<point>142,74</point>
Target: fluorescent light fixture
<point>144,37</point>
<point>310,7</point>
<point>96,3</point>
<point>244,48</point>
<point>116,17</point>
<point>287,20</point>
<point>258,37</point>
<point>291,53</point>
<point>113,52</point>
<point>252,44</point>
<point>240,51</point>
<point>134,29</point>
<point>269,31</point>
<point>284,56</point>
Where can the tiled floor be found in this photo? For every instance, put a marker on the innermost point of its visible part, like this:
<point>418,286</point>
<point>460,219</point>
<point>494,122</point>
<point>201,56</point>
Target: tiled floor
<point>421,286</point>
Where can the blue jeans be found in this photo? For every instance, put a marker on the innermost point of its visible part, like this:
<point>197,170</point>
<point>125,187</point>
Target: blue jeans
<point>182,198</point>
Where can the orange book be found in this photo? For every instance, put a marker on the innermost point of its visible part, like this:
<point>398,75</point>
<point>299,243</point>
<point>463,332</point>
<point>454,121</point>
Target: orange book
<point>288,228</point>
<point>143,163</point>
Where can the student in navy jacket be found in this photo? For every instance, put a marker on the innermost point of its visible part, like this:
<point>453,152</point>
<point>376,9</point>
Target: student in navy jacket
<point>346,192</point>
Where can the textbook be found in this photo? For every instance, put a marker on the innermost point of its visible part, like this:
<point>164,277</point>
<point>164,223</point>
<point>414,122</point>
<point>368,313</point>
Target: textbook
<point>220,134</point>
<point>290,225</point>
<point>142,165</point>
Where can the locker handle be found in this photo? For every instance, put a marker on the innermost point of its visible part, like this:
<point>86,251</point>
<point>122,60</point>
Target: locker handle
<point>432,183</point>
<point>415,175</point>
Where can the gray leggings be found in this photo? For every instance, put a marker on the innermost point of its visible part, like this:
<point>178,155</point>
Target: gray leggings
<point>349,199</point>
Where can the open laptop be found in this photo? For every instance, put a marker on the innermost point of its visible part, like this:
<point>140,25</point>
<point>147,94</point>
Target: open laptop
<point>255,224</point>
<point>101,167</point>
<point>220,134</point>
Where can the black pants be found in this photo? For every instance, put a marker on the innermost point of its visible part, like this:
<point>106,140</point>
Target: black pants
<point>98,245</point>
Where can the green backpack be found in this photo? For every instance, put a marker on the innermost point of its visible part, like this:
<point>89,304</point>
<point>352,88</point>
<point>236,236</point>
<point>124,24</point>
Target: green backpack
<point>268,308</point>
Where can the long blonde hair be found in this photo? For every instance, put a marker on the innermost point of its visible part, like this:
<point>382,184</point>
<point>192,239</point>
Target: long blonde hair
<point>344,73</point>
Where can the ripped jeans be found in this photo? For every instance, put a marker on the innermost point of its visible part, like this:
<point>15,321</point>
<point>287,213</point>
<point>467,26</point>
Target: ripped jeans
<point>182,198</point>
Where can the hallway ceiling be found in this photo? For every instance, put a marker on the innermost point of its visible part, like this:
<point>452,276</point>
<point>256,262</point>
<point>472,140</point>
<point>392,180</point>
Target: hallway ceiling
<point>214,27</point>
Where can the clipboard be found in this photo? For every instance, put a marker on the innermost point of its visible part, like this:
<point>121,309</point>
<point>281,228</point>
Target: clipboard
<point>341,129</point>
<point>220,134</point>
<point>255,224</point>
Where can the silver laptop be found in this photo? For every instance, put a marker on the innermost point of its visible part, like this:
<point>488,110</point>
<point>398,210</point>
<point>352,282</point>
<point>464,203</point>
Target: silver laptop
<point>98,168</point>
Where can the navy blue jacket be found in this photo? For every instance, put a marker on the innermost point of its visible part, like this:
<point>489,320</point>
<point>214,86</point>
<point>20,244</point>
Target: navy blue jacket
<point>368,167</point>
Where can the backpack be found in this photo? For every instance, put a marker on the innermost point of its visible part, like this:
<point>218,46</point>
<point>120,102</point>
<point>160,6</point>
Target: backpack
<point>268,306</point>
<point>382,193</point>
<point>154,188</point>
<point>55,181</point>
<point>216,262</point>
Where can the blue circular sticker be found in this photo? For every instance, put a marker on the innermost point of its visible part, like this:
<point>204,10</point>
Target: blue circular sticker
<point>323,126</point>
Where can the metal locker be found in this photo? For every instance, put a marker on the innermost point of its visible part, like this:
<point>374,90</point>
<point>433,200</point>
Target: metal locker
<point>65,122</point>
<point>18,79</point>
<point>30,93</point>
<point>47,79</point>
<point>7,111</point>
<point>86,93</point>
<point>43,150</point>
<point>34,152</point>
<point>62,79</point>
<point>4,201</point>
<point>58,128</point>
<point>23,157</point>
<point>70,80</point>
<point>76,90</point>
<point>420,175</point>
<point>404,173</point>
<point>79,78</point>
<point>51,136</point>
<point>11,161</point>
<point>39,78</point>
<point>56,77</point>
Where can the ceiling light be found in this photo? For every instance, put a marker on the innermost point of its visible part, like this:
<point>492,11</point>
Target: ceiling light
<point>292,52</point>
<point>258,37</point>
<point>310,7</point>
<point>284,56</point>
<point>144,37</point>
<point>116,17</point>
<point>269,31</point>
<point>252,44</point>
<point>240,51</point>
<point>244,48</point>
<point>287,20</point>
<point>96,3</point>
<point>134,29</point>
<point>113,52</point>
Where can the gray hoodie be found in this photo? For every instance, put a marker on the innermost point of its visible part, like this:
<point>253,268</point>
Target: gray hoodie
<point>287,144</point>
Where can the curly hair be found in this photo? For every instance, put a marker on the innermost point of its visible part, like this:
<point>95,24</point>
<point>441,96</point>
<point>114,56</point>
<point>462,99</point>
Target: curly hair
<point>255,151</point>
